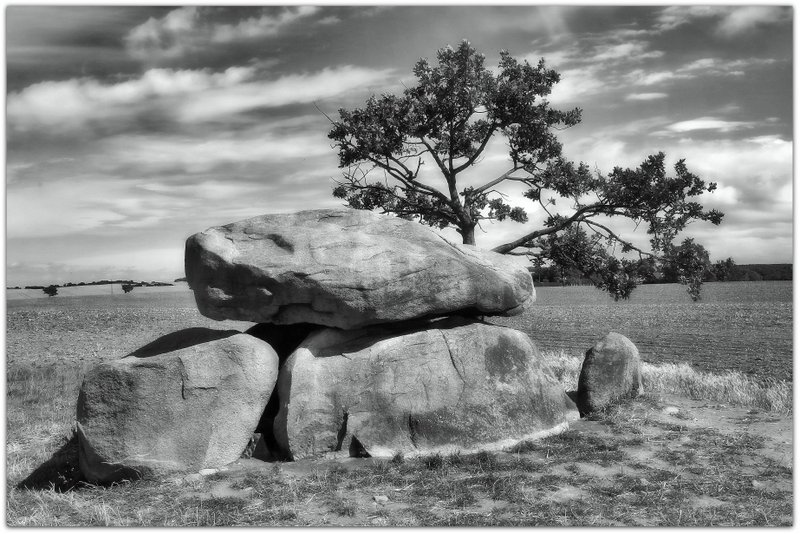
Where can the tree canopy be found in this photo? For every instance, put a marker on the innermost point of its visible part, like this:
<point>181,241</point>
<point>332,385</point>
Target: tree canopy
<point>448,119</point>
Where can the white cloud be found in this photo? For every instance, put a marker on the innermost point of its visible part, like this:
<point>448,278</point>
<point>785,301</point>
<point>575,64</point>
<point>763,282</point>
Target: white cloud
<point>262,146</point>
<point>733,21</point>
<point>695,69</point>
<point>767,140</point>
<point>674,16</point>
<point>646,96</point>
<point>593,66</point>
<point>329,20</point>
<point>290,89</point>
<point>576,84</point>
<point>70,106</point>
<point>631,50</point>
<point>187,29</point>
<point>708,123</point>
<point>746,18</point>
<point>263,26</point>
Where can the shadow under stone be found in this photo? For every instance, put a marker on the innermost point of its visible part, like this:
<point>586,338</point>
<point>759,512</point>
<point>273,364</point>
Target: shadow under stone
<point>181,339</point>
<point>61,472</point>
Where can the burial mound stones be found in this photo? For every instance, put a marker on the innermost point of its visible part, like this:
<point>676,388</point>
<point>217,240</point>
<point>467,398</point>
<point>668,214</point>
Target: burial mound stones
<point>611,371</point>
<point>366,323</point>
<point>346,268</point>
<point>442,386</point>
<point>187,401</point>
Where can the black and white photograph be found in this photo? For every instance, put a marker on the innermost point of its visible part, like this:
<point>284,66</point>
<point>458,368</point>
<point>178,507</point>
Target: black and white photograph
<point>404,265</point>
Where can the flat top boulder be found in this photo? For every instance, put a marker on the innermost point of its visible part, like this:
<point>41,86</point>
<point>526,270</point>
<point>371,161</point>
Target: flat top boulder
<point>346,268</point>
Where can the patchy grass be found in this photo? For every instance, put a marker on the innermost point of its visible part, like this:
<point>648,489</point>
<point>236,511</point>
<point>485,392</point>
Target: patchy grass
<point>634,466</point>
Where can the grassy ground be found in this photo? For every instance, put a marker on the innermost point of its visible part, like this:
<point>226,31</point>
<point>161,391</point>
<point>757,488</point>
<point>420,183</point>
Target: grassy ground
<point>641,464</point>
<point>723,460</point>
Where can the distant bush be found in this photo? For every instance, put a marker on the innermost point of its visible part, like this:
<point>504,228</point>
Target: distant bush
<point>51,291</point>
<point>127,288</point>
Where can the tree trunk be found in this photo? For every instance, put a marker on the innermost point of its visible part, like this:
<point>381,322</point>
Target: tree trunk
<point>467,234</point>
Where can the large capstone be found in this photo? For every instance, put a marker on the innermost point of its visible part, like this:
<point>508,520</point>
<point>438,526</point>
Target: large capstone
<point>611,372</point>
<point>189,400</point>
<point>449,385</point>
<point>346,268</point>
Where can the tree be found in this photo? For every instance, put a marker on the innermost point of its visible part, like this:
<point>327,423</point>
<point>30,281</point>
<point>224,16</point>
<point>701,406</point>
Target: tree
<point>723,269</point>
<point>449,118</point>
<point>127,288</point>
<point>687,264</point>
<point>51,291</point>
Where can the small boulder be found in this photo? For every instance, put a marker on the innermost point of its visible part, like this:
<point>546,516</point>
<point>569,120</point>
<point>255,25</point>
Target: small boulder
<point>347,269</point>
<point>442,386</point>
<point>611,372</point>
<point>188,401</point>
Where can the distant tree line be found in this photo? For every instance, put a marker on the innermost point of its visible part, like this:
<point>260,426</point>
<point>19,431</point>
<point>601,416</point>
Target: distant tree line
<point>102,283</point>
<point>127,285</point>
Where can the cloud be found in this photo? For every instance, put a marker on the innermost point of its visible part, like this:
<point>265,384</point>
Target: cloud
<point>161,96</point>
<point>746,18</point>
<point>674,16</point>
<point>709,123</point>
<point>189,29</point>
<point>262,147</point>
<point>289,89</point>
<point>732,21</point>
<point>694,69</point>
<point>631,50</point>
<point>594,64</point>
<point>646,96</point>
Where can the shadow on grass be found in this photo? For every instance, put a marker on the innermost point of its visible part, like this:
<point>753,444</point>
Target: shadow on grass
<point>60,473</point>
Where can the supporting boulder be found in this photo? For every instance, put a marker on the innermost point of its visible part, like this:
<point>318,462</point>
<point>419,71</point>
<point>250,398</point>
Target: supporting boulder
<point>189,400</point>
<point>347,269</point>
<point>449,385</point>
<point>611,372</point>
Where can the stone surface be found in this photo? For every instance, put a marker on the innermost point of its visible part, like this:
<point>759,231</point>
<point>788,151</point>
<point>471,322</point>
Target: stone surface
<point>611,372</point>
<point>347,269</point>
<point>449,385</point>
<point>188,401</point>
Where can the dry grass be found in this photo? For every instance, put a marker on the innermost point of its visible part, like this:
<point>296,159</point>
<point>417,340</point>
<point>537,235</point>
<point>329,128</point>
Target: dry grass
<point>731,387</point>
<point>583,477</point>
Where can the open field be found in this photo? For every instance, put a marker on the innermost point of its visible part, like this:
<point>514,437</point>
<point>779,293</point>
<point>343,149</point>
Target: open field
<point>723,457</point>
<point>743,326</point>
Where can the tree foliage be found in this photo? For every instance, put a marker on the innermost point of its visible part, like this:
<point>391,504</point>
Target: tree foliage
<point>51,290</point>
<point>449,117</point>
<point>688,264</point>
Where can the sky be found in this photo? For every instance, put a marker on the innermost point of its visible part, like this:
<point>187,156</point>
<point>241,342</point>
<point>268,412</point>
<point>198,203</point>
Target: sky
<point>131,128</point>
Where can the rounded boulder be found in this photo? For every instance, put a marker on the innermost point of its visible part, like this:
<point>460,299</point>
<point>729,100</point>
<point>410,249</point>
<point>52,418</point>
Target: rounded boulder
<point>449,385</point>
<point>611,372</point>
<point>188,401</point>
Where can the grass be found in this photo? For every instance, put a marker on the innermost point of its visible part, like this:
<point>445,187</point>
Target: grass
<point>552,482</point>
<point>731,387</point>
<point>691,477</point>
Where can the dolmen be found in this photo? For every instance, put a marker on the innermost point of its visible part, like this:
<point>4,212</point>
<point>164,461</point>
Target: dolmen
<point>368,339</point>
